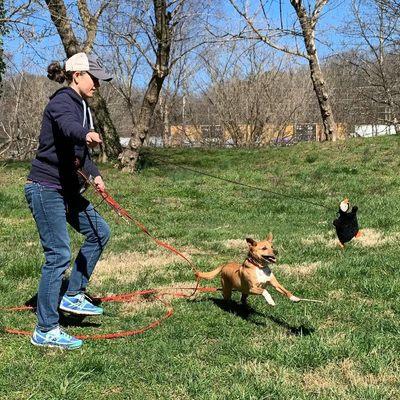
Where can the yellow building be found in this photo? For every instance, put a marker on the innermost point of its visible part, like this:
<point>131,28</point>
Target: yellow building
<point>242,135</point>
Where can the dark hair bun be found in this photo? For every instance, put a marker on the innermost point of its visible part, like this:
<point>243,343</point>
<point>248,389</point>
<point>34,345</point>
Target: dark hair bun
<point>55,72</point>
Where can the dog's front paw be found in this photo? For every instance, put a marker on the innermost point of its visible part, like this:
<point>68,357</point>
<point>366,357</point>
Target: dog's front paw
<point>268,298</point>
<point>295,299</point>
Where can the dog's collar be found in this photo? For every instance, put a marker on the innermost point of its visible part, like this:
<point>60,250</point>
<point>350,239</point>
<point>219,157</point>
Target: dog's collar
<point>255,263</point>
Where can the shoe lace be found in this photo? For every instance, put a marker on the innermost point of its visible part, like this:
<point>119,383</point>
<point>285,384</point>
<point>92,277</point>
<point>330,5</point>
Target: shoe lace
<point>65,335</point>
<point>87,299</point>
<point>57,333</point>
<point>81,298</point>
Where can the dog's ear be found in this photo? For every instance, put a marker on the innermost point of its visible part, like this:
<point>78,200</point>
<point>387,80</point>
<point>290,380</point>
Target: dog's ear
<point>251,242</point>
<point>270,237</point>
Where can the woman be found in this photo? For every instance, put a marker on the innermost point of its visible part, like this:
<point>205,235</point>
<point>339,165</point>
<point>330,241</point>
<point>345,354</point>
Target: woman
<point>53,194</point>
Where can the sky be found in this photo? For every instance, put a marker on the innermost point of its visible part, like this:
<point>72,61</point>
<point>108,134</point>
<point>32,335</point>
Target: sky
<point>34,56</point>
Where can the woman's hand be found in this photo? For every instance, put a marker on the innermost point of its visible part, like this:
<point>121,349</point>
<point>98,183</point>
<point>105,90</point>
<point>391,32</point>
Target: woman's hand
<point>93,139</point>
<point>98,181</point>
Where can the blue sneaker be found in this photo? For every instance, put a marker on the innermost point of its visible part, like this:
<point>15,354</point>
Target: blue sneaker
<point>55,338</point>
<point>79,304</point>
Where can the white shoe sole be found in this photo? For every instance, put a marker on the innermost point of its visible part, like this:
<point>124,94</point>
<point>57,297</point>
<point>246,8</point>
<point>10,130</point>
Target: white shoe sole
<point>77,312</point>
<point>58,346</point>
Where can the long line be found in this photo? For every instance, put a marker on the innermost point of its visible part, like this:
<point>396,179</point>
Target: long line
<point>163,161</point>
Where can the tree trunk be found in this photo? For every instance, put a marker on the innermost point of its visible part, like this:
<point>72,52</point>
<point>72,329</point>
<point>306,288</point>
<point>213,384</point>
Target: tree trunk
<point>308,28</point>
<point>111,146</point>
<point>164,110</point>
<point>130,155</point>
<point>3,31</point>
<point>330,128</point>
<point>163,32</point>
<point>59,16</point>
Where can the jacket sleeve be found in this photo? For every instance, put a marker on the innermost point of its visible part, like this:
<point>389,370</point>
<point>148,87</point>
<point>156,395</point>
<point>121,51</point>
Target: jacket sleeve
<point>90,167</point>
<point>64,113</point>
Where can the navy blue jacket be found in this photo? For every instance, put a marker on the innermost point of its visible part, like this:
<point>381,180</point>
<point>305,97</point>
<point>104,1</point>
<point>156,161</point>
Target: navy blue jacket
<point>62,142</point>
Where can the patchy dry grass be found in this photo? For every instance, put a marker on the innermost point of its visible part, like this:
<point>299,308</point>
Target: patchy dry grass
<point>326,240</point>
<point>344,375</point>
<point>303,269</point>
<point>127,267</point>
<point>369,238</point>
<point>12,222</point>
<point>345,348</point>
<point>338,294</point>
<point>236,244</point>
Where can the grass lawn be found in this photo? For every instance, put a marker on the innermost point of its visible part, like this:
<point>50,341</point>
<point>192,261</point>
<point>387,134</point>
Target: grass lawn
<point>346,348</point>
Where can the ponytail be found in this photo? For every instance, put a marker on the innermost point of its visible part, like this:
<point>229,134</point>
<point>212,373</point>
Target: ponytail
<point>58,74</point>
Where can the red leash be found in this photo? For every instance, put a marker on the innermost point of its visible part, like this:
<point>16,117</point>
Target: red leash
<point>128,218</point>
<point>126,297</point>
<point>122,298</point>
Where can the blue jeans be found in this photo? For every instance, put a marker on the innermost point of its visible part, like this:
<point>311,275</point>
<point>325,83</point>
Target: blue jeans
<point>51,210</point>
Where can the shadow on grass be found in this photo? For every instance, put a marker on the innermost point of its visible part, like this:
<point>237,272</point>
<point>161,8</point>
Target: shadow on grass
<point>69,320</point>
<point>301,330</point>
<point>243,311</point>
<point>246,312</point>
<point>32,302</point>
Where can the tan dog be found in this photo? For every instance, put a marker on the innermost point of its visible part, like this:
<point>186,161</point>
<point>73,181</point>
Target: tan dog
<point>252,276</point>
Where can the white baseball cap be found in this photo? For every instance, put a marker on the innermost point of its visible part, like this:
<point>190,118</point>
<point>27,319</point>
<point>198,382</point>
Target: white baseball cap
<point>87,62</point>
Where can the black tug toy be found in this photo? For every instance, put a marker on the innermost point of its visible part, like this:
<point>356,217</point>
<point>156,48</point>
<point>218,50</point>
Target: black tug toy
<point>346,224</point>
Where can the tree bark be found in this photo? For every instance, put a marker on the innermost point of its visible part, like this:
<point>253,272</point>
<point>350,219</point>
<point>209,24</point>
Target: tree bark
<point>163,34</point>
<point>308,28</point>
<point>130,155</point>
<point>164,109</point>
<point>3,31</point>
<point>61,21</point>
<point>111,146</point>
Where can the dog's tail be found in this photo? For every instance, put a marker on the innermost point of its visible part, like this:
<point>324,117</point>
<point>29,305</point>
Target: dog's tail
<point>209,275</point>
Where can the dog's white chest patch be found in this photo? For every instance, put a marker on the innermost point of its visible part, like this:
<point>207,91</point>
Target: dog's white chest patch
<point>263,275</point>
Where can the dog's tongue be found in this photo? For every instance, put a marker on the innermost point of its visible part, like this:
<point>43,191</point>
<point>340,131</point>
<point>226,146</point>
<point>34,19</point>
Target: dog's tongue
<point>270,259</point>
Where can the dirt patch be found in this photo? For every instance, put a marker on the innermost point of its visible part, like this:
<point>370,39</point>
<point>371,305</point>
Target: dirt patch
<point>343,375</point>
<point>357,378</point>
<point>14,221</point>
<point>369,238</point>
<point>138,305</point>
<point>303,269</point>
<point>236,244</point>
<point>374,237</point>
<point>321,379</point>
<point>127,267</point>
<point>174,289</point>
<point>168,292</point>
<point>336,294</point>
<point>393,238</point>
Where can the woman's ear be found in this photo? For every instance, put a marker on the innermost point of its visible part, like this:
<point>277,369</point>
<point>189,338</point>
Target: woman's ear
<point>75,77</point>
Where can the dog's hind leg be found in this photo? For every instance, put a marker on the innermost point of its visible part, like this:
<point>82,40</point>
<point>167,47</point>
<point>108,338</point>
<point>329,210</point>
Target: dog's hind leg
<point>226,289</point>
<point>244,298</point>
